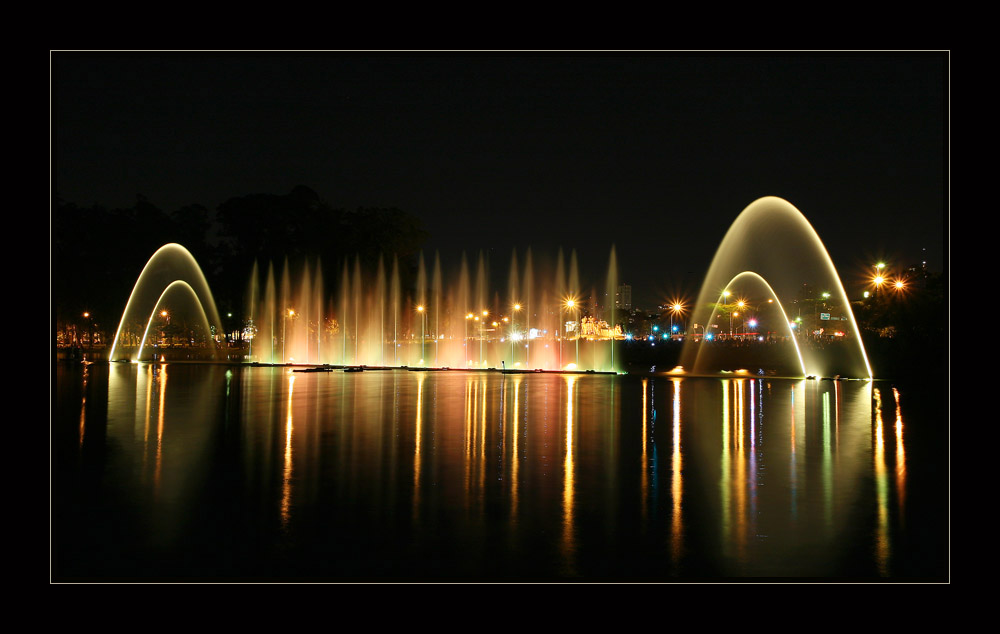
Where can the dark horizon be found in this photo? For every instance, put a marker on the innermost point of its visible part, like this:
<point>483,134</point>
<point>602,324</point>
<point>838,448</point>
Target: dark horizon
<point>653,153</point>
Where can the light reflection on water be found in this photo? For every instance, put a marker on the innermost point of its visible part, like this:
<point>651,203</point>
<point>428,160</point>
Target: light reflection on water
<point>208,472</point>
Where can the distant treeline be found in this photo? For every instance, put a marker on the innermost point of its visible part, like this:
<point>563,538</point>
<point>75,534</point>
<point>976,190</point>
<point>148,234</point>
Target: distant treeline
<point>98,253</point>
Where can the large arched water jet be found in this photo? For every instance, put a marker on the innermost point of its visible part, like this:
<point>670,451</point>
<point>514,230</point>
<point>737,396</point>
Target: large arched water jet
<point>769,233</point>
<point>170,263</point>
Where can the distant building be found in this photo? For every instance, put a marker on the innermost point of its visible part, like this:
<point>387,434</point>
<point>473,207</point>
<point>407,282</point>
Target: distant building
<point>623,297</point>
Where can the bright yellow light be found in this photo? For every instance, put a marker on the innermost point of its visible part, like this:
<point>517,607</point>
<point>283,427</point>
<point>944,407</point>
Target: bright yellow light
<point>163,313</point>
<point>469,316</point>
<point>517,307</point>
<point>900,285</point>
<point>420,309</point>
<point>485,312</point>
<point>570,303</point>
<point>86,314</point>
<point>291,312</point>
<point>878,280</point>
<point>570,366</point>
<point>741,303</point>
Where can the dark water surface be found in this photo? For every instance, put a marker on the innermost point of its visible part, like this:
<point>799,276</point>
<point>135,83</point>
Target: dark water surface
<point>207,472</point>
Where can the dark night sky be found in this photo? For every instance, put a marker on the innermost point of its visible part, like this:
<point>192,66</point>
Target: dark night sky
<point>656,153</point>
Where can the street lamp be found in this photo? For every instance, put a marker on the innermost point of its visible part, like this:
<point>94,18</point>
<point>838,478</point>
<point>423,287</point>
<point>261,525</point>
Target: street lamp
<point>467,318</point>
<point>90,328</point>
<point>290,313</point>
<point>482,335</point>
<point>513,325</point>
<point>572,305</point>
<point>420,309</point>
<point>725,295</point>
<point>675,309</point>
<point>879,278</point>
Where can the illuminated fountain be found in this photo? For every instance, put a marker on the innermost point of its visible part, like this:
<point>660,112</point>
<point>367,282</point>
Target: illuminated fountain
<point>750,293</point>
<point>443,319</point>
<point>170,304</point>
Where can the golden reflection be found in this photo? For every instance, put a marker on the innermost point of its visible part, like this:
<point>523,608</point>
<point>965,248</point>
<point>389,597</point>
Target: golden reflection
<point>417,442</point>
<point>752,474</point>
<point>740,482</point>
<point>882,545</point>
<point>470,386</point>
<point>148,411</point>
<point>83,404</point>
<point>286,487</point>
<point>827,462</point>
<point>726,468</point>
<point>569,543</point>
<point>792,471</point>
<point>676,486</point>
<point>644,478</point>
<point>162,386</point>
<point>515,419</point>
<point>900,455</point>
<point>475,438</point>
<point>482,439</point>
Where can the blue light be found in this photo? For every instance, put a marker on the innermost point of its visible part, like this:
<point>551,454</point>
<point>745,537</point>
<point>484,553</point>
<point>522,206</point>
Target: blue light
<point>674,328</point>
<point>655,328</point>
<point>709,336</point>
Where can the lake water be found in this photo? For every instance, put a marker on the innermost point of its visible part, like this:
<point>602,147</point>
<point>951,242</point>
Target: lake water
<point>184,472</point>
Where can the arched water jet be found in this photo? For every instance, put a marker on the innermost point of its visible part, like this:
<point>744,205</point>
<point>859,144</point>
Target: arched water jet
<point>178,284</point>
<point>170,263</point>
<point>785,321</point>
<point>768,233</point>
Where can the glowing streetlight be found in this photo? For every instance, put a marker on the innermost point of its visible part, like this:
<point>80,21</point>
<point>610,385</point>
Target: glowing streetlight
<point>90,328</point>
<point>675,309</point>
<point>879,278</point>
<point>467,318</point>
<point>571,304</point>
<point>420,309</point>
<point>289,314</point>
<point>513,325</point>
<point>482,334</point>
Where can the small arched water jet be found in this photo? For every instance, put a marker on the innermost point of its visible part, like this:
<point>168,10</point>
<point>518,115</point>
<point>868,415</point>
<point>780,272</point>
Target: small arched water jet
<point>786,324</point>
<point>170,263</point>
<point>766,235</point>
<point>172,287</point>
